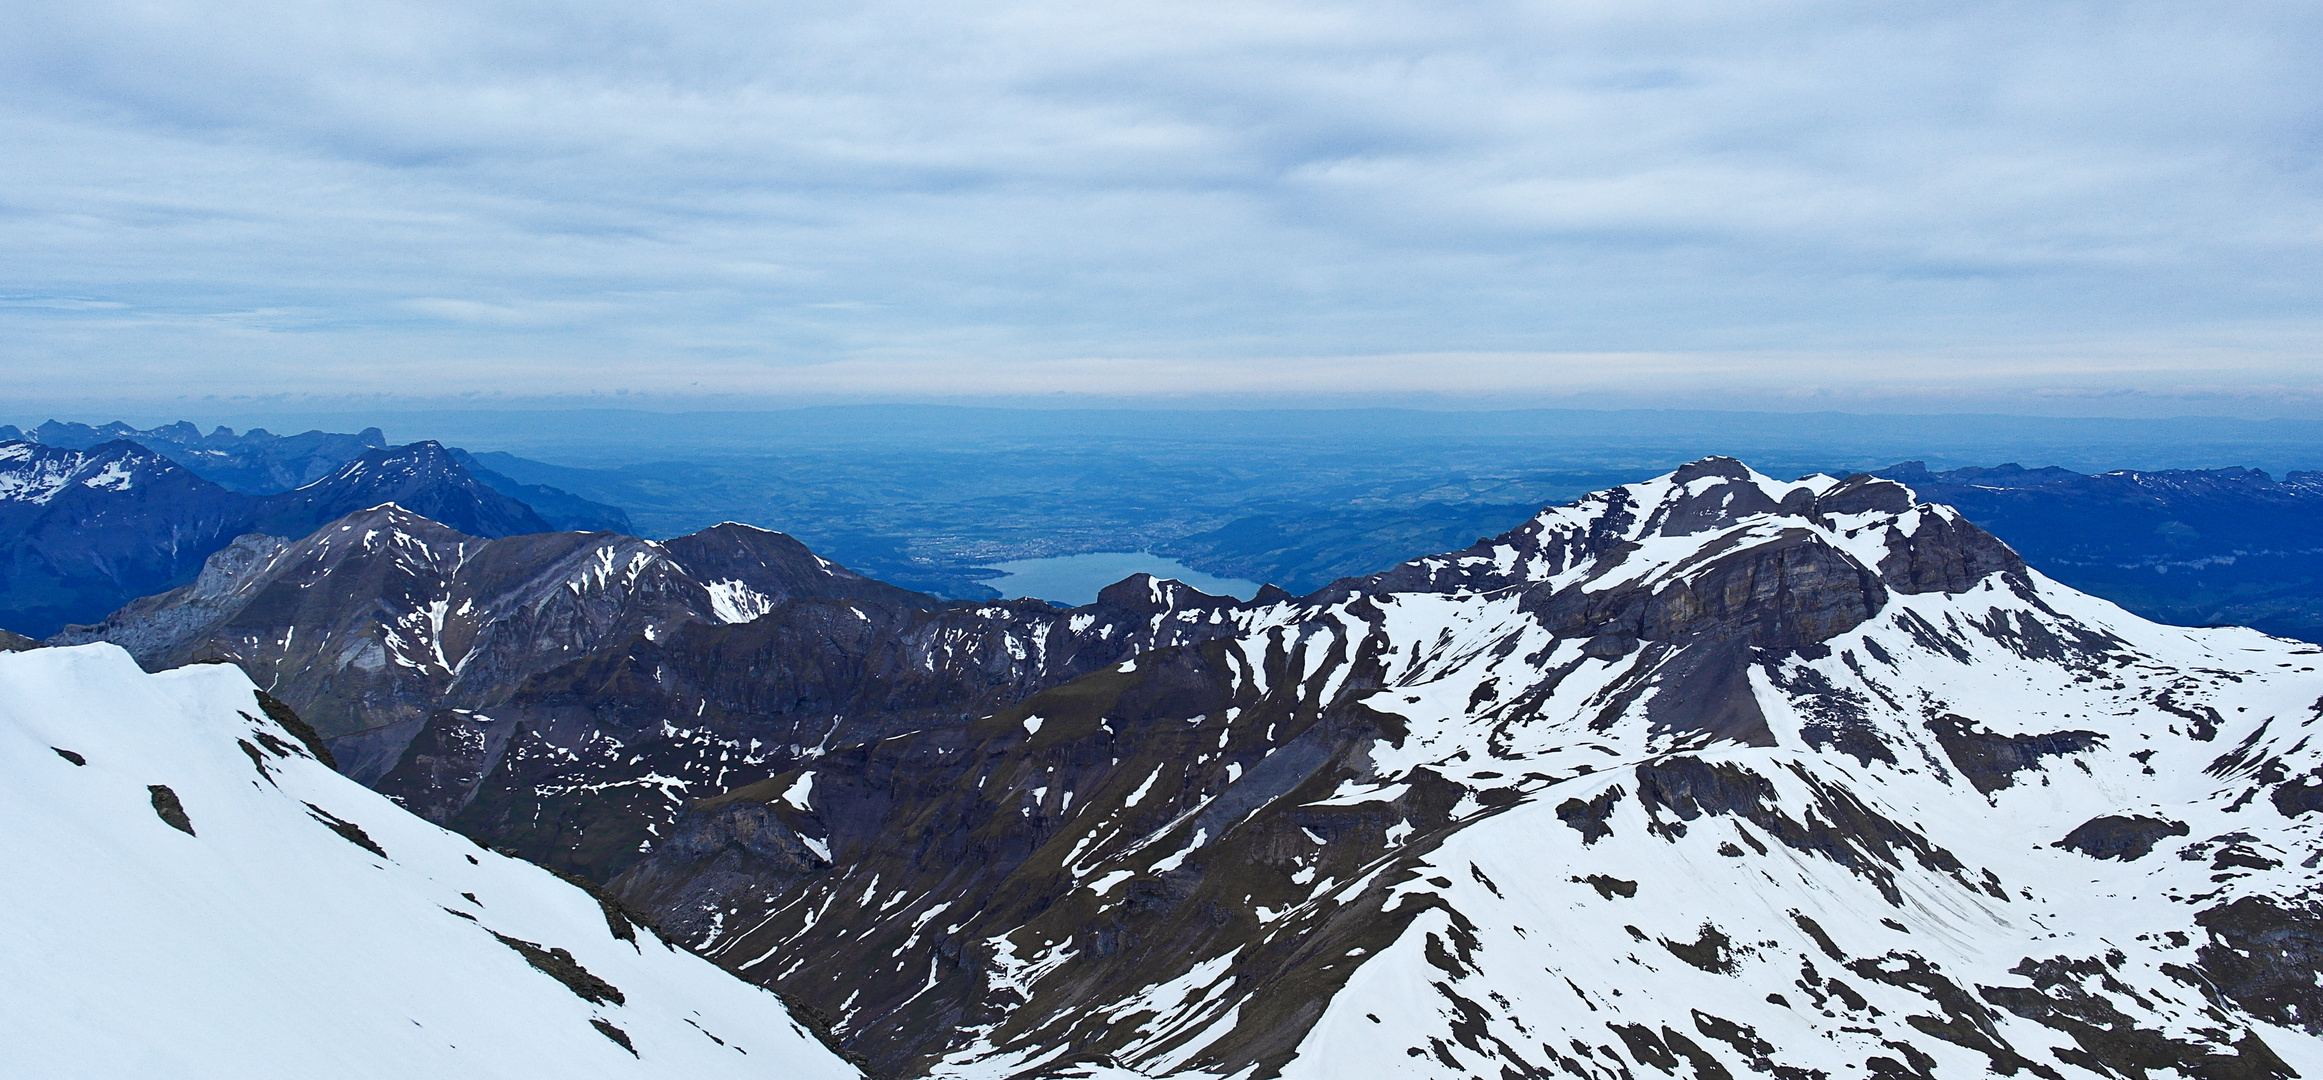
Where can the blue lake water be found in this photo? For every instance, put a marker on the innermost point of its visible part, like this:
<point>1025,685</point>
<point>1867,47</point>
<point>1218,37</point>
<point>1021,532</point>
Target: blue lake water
<point>1075,579</point>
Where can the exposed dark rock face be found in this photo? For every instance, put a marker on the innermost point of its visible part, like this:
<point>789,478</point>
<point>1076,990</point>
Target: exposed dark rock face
<point>1711,950</point>
<point>750,700</point>
<point>980,813</point>
<point>347,830</point>
<point>1992,761</point>
<point>559,964</point>
<point>734,845</point>
<point>1588,818</point>
<point>1863,493</point>
<point>1782,593</point>
<point>2125,837</point>
<point>2295,797</point>
<point>1608,886</point>
<point>1946,555</point>
<point>13,642</point>
<point>281,713</point>
<point>2263,954</point>
<point>169,807</point>
<point>1837,719</point>
<point>2109,1041</point>
<point>1840,827</point>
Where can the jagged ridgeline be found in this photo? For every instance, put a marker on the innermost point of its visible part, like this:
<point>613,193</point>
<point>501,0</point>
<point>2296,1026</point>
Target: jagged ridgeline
<point>1710,775</point>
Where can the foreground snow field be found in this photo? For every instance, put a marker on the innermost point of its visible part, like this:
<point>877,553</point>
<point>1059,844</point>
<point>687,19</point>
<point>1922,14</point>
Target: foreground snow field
<point>304,927</point>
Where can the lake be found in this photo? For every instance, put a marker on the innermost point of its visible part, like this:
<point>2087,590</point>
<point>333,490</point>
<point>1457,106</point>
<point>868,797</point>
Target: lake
<point>1074,579</point>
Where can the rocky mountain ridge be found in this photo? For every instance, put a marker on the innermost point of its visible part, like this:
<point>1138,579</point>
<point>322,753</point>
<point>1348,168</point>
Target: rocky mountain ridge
<point>1704,775</point>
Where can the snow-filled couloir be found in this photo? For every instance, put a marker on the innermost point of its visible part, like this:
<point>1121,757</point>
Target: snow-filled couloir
<point>1711,775</point>
<point>191,893</point>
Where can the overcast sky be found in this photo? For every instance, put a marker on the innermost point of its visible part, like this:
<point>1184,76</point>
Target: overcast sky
<point>2104,208</point>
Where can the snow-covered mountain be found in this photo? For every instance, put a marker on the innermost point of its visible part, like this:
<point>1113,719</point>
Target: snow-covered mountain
<point>1706,776</point>
<point>190,893</point>
<point>1709,775</point>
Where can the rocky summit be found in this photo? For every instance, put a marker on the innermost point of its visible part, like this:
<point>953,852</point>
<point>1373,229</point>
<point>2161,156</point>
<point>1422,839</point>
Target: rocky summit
<point>1711,775</point>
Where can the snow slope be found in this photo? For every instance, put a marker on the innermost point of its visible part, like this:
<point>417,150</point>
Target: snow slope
<point>305,927</point>
<point>1799,907</point>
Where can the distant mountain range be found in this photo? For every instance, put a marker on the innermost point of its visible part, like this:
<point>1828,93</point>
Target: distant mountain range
<point>1709,775</point>
<point>87,526</point>
<point>2202,547</point>
<point>256,462</point>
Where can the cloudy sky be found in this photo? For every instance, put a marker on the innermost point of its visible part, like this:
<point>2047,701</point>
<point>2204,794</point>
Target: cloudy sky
<point>2104,208</point>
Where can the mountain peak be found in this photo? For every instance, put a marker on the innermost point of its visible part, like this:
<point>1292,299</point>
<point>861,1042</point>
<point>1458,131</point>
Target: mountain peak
<point>423,478</point>
<point>1146,593</point>
<point>1677,531</point>
<point>761,567</point>
<point>1714,465</point>
<point>390,515</point>
<point>424,458</point>
<point>426,451</point>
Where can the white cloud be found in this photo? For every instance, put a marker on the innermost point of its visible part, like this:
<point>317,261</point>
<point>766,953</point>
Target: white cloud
<point>912,198</point>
